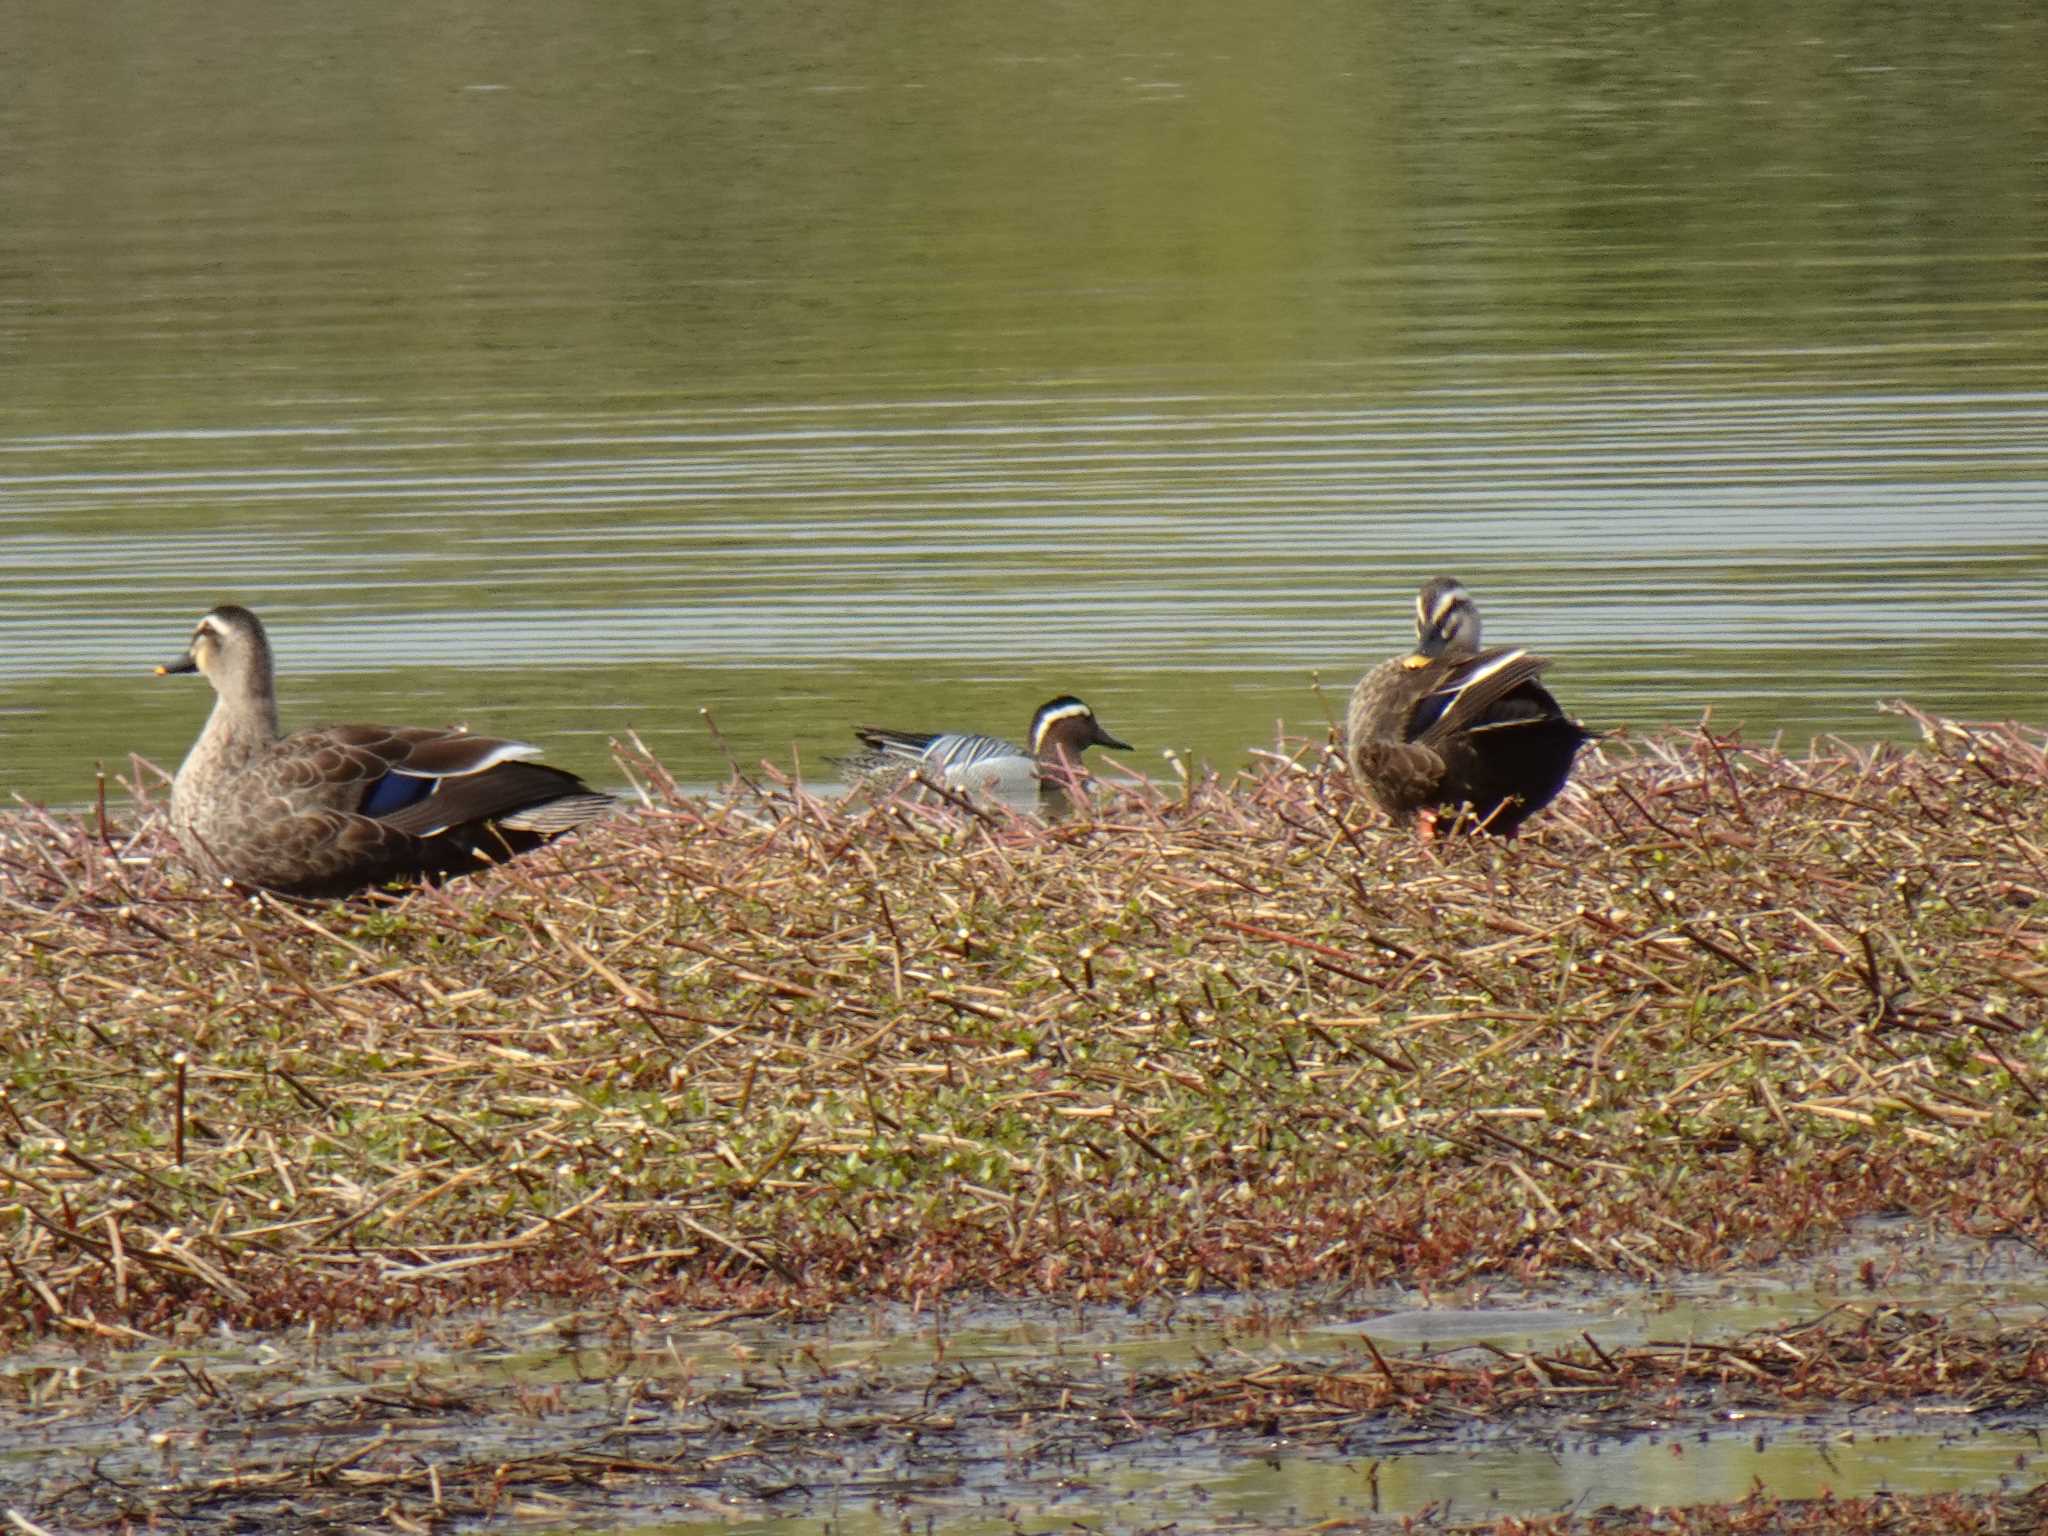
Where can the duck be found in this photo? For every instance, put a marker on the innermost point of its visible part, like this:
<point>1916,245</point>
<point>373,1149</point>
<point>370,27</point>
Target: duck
<point>1029,779</point>
<point>1451,725</point>
<point>331,810</point>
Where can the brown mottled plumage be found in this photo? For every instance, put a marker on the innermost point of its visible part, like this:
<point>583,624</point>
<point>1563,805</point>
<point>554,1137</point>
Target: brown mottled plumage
<point>327,811</point>
<point>1452,725</point>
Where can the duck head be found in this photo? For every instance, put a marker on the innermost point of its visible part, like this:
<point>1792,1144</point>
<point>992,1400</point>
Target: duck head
<point>1446,620</point>
<point>1067,727</point>
<point>229,648</point>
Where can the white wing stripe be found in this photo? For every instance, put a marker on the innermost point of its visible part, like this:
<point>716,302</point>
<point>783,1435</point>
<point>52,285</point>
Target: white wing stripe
<point>505,752</point>
<point>952,751</point>
<point>1480,674</point>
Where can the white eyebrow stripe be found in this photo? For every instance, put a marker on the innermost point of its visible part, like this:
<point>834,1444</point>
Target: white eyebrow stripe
<point>1052,718</point>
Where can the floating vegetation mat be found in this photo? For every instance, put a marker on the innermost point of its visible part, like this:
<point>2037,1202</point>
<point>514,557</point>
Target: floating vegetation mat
<point>768,1050</point>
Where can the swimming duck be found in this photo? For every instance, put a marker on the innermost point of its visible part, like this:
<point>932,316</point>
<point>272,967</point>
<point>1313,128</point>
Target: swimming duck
<point>1025,779</point>
<point>330,810</point>
<point>1452,725</point>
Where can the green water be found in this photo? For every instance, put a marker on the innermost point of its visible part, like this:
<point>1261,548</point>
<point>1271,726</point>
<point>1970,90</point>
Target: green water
<point>567,371</point>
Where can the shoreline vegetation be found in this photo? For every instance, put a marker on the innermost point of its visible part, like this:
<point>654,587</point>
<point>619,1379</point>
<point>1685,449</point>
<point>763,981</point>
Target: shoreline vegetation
<point>776,1050</point>
<point>769,1052</point>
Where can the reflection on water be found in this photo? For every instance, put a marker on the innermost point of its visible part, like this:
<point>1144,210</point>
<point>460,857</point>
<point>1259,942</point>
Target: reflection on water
<point>980,1414</point>
<point>1194,562</point>
<point>563,374</point>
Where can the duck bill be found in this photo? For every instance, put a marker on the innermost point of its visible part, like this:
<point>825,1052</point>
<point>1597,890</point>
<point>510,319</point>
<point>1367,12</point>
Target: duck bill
<point>1104,739</point>
<point>184,663</point>
<point>1431,645</point>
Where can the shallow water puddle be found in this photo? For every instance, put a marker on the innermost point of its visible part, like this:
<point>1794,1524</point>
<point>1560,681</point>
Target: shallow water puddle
<point>987,1414</point>
<point>1268,1494</point>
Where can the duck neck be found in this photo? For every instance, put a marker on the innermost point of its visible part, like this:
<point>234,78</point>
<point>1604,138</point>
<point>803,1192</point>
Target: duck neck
<point>243,723</point>
<point>1058,749</point>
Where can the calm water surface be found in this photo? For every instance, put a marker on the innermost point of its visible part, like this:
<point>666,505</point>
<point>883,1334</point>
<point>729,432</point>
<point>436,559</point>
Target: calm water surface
<point>567,374</point>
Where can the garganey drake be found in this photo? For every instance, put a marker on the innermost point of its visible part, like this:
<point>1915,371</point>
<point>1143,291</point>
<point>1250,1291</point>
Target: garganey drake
<point>330,810</point>
<point>1452,725</point>
<point>1024,779</point>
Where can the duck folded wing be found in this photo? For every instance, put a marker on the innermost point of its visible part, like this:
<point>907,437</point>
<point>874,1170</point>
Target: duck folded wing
<point>420,782</point>
<point>426,753</point>
<point>950,753</point>
<point>907,746</point>
<point>345,767</point>
<point>514,796</point>
<point>936,751</point>
<point>1496,690</point>
<point>461,824</point>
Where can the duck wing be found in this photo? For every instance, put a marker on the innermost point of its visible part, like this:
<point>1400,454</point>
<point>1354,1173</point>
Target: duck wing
<point>1495,690</point>
<point>939,753</point>
<point>437,781</point>
<point>374,770</point>
<point>954,752</point>
<point>1506,745</point>
<point>375,797</point>
<point>885,745</point>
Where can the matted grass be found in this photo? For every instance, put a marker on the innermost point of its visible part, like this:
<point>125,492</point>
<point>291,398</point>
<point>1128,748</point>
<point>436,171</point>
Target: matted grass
<point>771,1050</point>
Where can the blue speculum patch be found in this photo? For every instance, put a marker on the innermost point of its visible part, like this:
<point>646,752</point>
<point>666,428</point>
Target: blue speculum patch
<point>1428,710</point>
<point>395,791</point>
